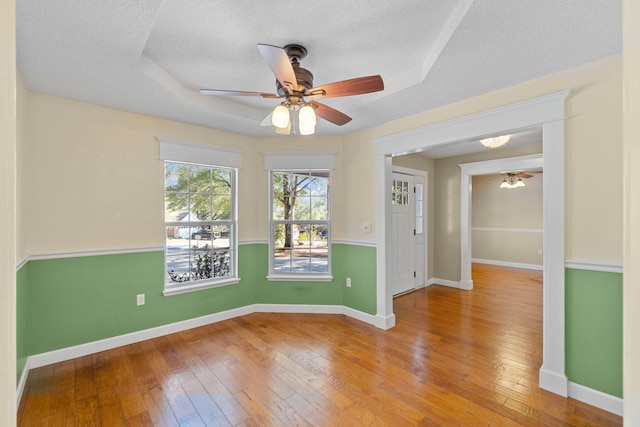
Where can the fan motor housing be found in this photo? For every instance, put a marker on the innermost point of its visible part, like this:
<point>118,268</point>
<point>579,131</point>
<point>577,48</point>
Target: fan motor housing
<point>304,77</point>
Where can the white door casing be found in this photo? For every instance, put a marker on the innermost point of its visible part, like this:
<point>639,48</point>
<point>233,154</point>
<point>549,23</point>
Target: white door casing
<point>546,111</point>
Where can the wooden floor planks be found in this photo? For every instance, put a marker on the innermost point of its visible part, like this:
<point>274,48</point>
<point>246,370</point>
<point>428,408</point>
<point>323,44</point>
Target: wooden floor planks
<point>467,358</point>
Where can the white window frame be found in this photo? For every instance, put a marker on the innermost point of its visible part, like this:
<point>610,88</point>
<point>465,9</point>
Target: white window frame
<point>177,151</point>
<point>299,161</point>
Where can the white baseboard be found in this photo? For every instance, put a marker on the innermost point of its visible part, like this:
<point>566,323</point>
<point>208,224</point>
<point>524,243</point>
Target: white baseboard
<point>385,322</point>
<point>22,383</point>
<point>298,308</point>
<point>508,264</point>
<point>548,382</point>
<point>56,356</point>
<point>63,354</point>
<point>444,282</point>
<point>596,398</point>
<point>553,381</point>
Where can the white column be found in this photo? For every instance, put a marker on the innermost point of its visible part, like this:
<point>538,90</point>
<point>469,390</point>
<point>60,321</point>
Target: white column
<point>385,319</point>
<point>465,231</point>
<point>552,374</point>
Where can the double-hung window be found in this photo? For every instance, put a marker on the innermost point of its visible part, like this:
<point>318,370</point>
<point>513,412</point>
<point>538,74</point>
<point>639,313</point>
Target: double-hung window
<point>300,218</point>
<point>200,218</point>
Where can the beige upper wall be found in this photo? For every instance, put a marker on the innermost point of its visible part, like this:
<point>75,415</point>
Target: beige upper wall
<point>90,169</point>
<point>91,178</point>
<point>593,154</point>
<point>512,208</point>
<point>493,206</point>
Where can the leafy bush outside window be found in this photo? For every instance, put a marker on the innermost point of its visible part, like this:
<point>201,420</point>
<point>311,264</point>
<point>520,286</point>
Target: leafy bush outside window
<point>199,223</point>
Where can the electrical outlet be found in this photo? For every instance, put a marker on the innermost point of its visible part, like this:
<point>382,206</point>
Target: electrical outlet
<point>140,299</point>
<point>348,282</point>
<point>539,251</point>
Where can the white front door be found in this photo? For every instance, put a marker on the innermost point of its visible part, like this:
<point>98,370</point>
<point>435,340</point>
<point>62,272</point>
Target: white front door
<point>403,231</point>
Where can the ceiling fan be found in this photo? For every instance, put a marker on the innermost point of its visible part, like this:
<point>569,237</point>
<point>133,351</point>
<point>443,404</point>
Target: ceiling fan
<point>295,84</point>
<point>514,179</point>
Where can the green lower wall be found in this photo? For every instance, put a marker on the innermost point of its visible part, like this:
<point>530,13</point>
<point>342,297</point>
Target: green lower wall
<point>359,264</point>
<point>78,300</point>
<point>594,329</point>
<point>71,301</point>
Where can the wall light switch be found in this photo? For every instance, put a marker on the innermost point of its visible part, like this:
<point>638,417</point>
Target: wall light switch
<point>539,251</point>
<point>140,299</point>
<point>366,227</point>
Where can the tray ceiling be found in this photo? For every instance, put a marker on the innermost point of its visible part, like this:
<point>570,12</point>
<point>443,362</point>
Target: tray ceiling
<point>152,56</point>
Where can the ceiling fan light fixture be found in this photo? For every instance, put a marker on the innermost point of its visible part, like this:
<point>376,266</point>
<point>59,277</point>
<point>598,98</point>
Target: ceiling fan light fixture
<point>519,183</point>
<point>307,120</point>
<point>283,131</point>
<point>504,184</point>
<point>307,116</point>
<point>280,117</point>
<point>307,130</point>
<point>495,142</point>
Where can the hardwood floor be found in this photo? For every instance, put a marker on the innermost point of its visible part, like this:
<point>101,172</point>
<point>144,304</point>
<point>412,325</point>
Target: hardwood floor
<point>454,358</point>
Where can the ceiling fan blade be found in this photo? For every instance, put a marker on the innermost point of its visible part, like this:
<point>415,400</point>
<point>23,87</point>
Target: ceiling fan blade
<point>524,175</point>
<point>237,93</point>
<point>267,120</point>
<point>330,114</point>
<point>349,87</point>
<point>279,62</point>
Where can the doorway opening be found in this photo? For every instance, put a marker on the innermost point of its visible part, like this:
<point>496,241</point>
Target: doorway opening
<point>548,112</point>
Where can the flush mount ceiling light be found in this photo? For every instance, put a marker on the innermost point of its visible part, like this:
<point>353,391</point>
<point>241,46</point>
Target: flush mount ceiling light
<point>295,83</point>
<point>495,142</point>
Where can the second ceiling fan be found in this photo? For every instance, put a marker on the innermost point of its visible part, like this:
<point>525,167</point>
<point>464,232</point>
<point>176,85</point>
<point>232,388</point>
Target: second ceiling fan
<point>295,84</point>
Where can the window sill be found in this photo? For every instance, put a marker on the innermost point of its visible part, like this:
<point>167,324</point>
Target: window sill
<point>299,278</point>
<point>183,289</point>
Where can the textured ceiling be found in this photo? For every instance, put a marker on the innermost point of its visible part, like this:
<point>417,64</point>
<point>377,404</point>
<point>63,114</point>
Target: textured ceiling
<point>152,56</point>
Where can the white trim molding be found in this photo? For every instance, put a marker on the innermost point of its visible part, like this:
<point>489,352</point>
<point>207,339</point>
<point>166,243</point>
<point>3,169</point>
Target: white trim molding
<point>68,353</point>
<point>508,264</point>
<point>80,254</point>
<point>605,266</point>
<point>547,112</point>
<point>444,282</point>
<point>354,243</point>
<point>22,382</point>
<point>509,230</point>
<point>253,242</point>
<point>176,150</point>
<point>55,356</point>
<point>596,398</point>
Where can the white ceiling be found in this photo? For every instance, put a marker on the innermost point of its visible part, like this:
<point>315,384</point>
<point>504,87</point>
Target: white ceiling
<point>152,56</point>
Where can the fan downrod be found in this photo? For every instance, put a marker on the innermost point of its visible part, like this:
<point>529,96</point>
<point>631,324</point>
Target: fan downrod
<point>295,52</point>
